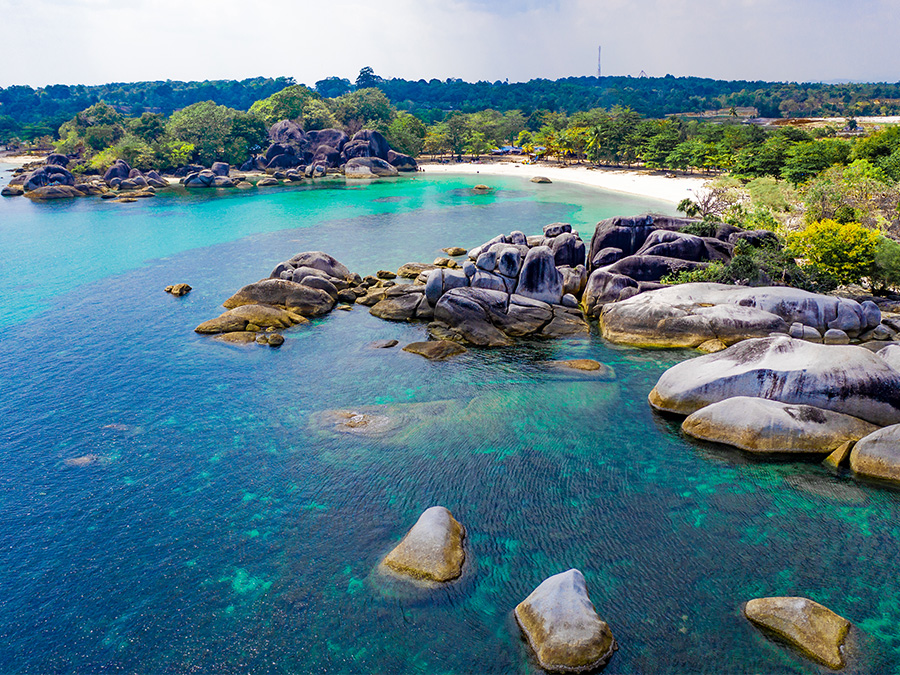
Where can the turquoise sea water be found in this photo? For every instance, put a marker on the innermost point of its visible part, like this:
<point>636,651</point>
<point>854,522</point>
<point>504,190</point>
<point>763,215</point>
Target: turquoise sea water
<point>209,524</point>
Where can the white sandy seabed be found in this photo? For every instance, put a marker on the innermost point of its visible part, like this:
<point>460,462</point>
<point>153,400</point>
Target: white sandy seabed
<point>657,186</point>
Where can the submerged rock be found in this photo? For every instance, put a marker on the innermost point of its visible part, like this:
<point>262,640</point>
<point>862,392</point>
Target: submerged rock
<point>761,425</point>
<point>812,628</point>
<point>842,378</point>
<point>435,350</point>
<point>432,550</point>
<point>562,626</point>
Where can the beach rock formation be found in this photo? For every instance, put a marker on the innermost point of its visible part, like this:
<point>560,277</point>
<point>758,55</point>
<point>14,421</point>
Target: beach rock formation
<point>178,289</point>
<point>54,192</point>
<point>317,152</point>
<point>368,167</point>
<point>435,350</point>
<point>628,255</point>
<point>878,455</point>
<point>432,550</point>
<point>512,286</point>
<point>688,315</point>
<point>845,379</point>
<point>763,425</point>
<point>812,628</point>
<point>50,175</point>
<point>562,626</point>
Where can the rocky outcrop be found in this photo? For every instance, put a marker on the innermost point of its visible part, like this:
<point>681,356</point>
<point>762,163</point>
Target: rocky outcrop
<point>208,178</point>
<point>647,248</point>
<point>763,425</point>
<point>845,379</point>
<point>119,170</point>
<point>178,290</point>
<point>432,550</point>
<point>50,175</point>
<point>812,628</point>
<point>368,167</point>
<point>307,285</point>
<point>562,626</point>
<point>401,162</point>
<point>53,192</point>
<point>689,314</point>
<point>878,455</point>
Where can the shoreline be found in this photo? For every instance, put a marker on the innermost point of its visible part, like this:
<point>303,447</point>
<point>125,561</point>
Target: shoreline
<point>641,183</point>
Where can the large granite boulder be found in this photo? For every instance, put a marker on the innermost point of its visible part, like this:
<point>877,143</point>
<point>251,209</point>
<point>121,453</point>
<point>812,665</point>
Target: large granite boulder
<point>333,138</point>
<point>317,260</point>
<point>119,169</point>
<point>49,175</point>
<point>377,143</point>
<point>687,315</point>
<point>671,244</point>
<point>763,425</point>
<point>651,267</point>
<point>629,233</point>
<point>58,159</point>
<point>402,303</point>
<point>562,626</point>
<point>841,378</point>
<point>401,162</point>
<point>287,132</point>
<point>468,310</point>
<point>812,628</point>
<point>432,550</point>
<point>878,455</point>
<point>261,316</point>
<point>297,298</point>
<point>539,278</point>
<point>220,168</point>
<point>54,192</point>
<point>368,167</point>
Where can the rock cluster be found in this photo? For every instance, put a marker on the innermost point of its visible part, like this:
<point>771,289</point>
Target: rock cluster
<point>629,255</point>
<point>511,286</point>
<point>316,152</point>
<point>305,286</point>
<point>121,176</point>
<point>217,176</point>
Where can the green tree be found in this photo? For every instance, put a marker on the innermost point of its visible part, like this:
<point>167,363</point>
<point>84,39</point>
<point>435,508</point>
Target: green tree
<point>437,140</point>
<point>406,133</point>
<point>317,115</point>
<point>363,109</point>
<point>476,144</point>
<point>287,104</point>
<point>149,127</point>
<point>367,78</point>
<point>204,125</point>
<point>457,128</point>
<point>807,159</point>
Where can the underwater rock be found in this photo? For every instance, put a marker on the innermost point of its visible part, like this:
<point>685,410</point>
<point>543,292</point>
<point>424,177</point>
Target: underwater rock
<point>383,344</point>
<point>761,425</point>
<point>812,628</point>
<point>583,368</point>
<point>878,455</point>
<point>562,626</point>
<point>432,550</point>
<point>843,378</point>
<point>435,350</point>
<point>541,179</point>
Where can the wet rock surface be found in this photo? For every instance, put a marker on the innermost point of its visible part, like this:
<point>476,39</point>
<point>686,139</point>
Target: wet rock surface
<point>432,550</point>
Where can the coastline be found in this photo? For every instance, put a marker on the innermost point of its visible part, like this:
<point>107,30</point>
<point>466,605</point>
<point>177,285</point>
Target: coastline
<point>628,181</point>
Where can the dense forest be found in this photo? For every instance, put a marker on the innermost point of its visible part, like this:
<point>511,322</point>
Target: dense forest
<point>27,113</point>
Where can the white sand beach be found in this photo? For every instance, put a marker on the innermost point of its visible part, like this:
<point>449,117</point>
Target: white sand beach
<point>642,183</point>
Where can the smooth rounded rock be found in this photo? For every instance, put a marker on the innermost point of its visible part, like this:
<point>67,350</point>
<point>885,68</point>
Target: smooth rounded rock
<point>562,626</point>
<point>435,350</point>
<point>843,378</point>
<point>764,426</point>
<point>812,628</point>
<point>432,550</point>
<point>878,455</point>
<point>833,336</point>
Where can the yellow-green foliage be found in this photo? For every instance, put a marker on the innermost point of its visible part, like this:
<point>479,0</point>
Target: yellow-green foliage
<point>287,104</point>
<point>844,251</point>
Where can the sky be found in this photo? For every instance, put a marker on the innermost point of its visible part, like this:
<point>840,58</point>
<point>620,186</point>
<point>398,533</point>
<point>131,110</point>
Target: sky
<point>99,41</point>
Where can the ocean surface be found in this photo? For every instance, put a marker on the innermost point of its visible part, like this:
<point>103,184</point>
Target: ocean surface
<point>171,504</point>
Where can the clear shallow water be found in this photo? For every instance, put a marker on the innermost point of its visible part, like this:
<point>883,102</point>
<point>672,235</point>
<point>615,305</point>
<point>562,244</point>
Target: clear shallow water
<point>220,529</point>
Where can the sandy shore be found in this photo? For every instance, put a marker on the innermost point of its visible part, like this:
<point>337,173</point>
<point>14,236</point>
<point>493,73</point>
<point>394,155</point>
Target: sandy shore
<point>642,183</point>
<point>20,160</point>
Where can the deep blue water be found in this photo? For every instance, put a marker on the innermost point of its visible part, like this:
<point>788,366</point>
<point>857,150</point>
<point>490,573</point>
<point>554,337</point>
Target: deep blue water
<point>216,527</point>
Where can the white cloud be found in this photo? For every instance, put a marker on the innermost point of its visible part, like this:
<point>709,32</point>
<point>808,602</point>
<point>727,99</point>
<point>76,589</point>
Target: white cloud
<point>94,41</point>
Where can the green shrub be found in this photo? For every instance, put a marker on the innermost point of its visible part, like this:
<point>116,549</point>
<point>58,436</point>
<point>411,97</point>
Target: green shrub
<point>768,265</point>
<point>844,251</point>
<point>702,228</point>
